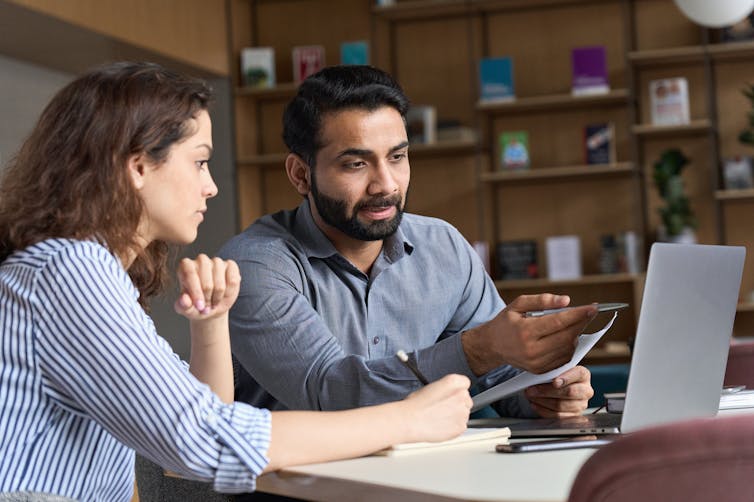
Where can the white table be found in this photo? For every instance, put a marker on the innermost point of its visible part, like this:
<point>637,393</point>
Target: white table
<point>465,472</point>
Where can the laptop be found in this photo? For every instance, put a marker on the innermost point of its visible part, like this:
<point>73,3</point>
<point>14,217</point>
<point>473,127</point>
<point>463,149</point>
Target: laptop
<point>681,346</point>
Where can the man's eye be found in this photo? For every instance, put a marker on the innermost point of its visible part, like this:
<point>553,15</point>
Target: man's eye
<point>355,164</point>
<point>399,156</point>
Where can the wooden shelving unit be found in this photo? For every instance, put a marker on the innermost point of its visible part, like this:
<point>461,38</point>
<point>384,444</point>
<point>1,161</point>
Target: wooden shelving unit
<point>561,173</point>
<point>559,194</point>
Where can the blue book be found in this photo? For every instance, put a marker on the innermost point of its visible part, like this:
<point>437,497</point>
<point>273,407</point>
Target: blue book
<point>354,52</point>
<point>496,79</point>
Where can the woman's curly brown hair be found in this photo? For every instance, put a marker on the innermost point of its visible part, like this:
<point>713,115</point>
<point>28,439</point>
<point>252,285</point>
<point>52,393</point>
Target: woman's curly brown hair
<point>69,179</point>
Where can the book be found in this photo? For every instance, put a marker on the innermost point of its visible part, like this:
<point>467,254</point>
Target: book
<point>356,52</point>
<point>589,71</point>
<point>258,66</point>
<point>421,124</point>
<point>481,437</point>
<point>483,250</point>
<point>307,60</point>
<point>563,257</point>
<point>737,173</point>
<point>669,101</point>
<point>620,253</point>
<point>517,259</point>
<point>599,143</point>
<point>496,79</point>
<point>514,150</point>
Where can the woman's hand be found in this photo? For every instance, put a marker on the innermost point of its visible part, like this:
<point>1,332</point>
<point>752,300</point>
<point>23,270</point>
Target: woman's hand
<point>440,410</point>
<point>209,287</point>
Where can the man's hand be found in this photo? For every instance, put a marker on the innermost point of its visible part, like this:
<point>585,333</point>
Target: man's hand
<point>535,344</point>
<point>565,396</point>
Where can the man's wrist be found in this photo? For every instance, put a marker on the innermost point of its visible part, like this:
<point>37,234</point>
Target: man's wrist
<point>476,351</point>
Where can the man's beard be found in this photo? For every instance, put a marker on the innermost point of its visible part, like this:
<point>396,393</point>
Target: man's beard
<point>334,213</point>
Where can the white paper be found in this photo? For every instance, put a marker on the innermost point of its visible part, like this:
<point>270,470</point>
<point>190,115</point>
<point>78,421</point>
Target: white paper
<point>526,379</point>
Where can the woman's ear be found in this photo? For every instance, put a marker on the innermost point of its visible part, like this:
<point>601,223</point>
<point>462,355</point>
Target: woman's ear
<point>136,170</point>
<point>298,173</point>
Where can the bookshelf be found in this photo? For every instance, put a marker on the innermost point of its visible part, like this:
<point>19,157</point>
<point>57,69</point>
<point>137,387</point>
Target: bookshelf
<point>433,46</point>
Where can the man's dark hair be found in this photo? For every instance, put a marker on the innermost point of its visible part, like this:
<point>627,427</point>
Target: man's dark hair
<point>333,89</point>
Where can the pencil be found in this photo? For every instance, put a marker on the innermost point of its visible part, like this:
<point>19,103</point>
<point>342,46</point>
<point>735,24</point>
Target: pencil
<point>403,357</point>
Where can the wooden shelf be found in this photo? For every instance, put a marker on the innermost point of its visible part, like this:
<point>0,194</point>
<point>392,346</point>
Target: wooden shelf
<point>553,102</point>
<point>565,172</point>
<point>739,194</point>
<point>421,9</point>
<point>582,281</point>
<point>669,56</point>
<point>460,147</point>
<point>518,5</point>
<point>694,127</point>
<point>268,160</point>
<point>745,307</point>
<point>427,9</point>
<point>441,148</point>
<point>731,50</point>
<point>281,91</point>
<point>693,54</point>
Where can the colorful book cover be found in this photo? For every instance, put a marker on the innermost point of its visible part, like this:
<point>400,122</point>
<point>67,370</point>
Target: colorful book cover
<point>589,67</point>
<point>517,260</point>
<point>356,52</point>
<point>514,150</point>
<point>599,143</point>
<point>496,79</point>
<point>307,60</point>
<point>258,66</point>
<point>669,101</point>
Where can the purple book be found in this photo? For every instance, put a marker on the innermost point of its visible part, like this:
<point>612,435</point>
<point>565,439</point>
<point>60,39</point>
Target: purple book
<point>589,66</point>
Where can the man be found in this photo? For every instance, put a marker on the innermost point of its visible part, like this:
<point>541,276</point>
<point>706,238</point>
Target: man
<point>333,289</point>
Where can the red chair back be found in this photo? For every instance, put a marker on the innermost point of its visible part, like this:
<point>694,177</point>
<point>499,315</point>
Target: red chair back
<point>701,460</point>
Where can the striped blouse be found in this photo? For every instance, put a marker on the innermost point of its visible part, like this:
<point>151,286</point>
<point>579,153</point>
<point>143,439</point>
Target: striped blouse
<point>85,380</point>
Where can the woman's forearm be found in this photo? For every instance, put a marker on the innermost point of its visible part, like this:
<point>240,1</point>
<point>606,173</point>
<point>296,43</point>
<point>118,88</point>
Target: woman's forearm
<point>210,360</point>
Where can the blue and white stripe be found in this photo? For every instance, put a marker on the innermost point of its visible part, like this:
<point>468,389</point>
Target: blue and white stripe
<point>85,380</point>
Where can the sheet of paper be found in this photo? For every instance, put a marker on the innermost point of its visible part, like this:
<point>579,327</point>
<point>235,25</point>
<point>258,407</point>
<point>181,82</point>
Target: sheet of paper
<point>526,379</point>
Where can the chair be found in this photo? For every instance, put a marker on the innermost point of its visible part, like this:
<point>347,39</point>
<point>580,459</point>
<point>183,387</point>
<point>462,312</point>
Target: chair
<point>700,460</point>
<point>155,486</point>
<point>740,369</point>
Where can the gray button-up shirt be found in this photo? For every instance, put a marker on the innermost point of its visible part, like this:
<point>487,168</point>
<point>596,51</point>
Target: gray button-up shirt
<point>311,331</point>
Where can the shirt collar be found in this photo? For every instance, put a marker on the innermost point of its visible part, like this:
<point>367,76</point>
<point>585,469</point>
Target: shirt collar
<point>317,245</point>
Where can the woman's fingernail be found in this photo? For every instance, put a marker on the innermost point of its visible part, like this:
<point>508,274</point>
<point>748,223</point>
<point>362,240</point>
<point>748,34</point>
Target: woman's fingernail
<point>200,305</point>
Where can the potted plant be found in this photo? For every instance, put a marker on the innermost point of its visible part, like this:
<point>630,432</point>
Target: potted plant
<point>678,221</point>
<point>747,135</point>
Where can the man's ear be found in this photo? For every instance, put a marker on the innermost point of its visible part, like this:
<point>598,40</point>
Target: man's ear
<point>137,170</point>
<point>298,174</point>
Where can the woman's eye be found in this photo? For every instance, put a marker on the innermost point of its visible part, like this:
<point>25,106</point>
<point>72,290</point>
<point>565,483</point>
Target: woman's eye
<point>202,164</point>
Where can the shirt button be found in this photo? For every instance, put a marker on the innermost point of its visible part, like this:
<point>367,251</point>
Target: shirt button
<point>376,340</point>
<point>212,420</point>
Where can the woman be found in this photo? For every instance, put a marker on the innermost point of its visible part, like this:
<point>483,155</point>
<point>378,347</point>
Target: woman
<point>116,168</point>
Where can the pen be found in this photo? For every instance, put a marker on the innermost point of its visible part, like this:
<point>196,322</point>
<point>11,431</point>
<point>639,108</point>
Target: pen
<point>403,357</point>
<point>601,307</point>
